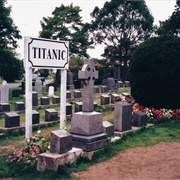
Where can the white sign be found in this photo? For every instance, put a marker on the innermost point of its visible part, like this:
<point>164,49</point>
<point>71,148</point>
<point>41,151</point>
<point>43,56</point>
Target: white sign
<point>47,53</point>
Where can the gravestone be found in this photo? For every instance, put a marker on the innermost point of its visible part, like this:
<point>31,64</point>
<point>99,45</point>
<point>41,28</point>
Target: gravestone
<point>35,117</point>
<point>12,119</point>
<point>19,106</point>
<point>61,141</point>
<point>4,92</point>
<point>51,91</point>
<point>70,85</point>
<point>51,84</point>
<point>127,84</point>
<point>108,128</point>
<point>104,89</point>
<point>77,94</point>
<point>51,115</point>
<point>34,98</point>
<point>105,99</point>
<point>117,71</point>
<point>56,100</point>
<point>122,116</point>
<point>114,97</point>
<point>68,94</point>
<point>44,100</point>
<point>96,89</point>
<point>139,118</point>
<point>111,84</point>
<point>86,126</point>
<point>68,109</point>
<point>4,107</point>
<point>38,87</point>
<point>119,84</point>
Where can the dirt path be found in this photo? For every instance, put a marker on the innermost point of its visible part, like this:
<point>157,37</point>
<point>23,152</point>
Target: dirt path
<point>161,161</point>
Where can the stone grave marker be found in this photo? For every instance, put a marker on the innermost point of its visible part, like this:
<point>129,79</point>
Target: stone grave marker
<point>4,92</point>
<point>86,126</point>
<point>51,91</point>
<point>38,87</point>
<point>122,116</point>
<point>12,119</point>
<point>111,84</point>
<point>139,119</point>
<point>70,85</point>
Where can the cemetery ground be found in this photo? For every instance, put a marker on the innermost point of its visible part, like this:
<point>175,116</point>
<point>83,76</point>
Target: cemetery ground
<point>149,153</point>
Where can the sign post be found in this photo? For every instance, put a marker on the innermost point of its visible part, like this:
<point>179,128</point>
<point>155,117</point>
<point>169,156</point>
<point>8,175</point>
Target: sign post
<point>45,54</point>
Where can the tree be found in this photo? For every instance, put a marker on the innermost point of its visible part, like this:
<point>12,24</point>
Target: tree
<point>172,24</point>
<point>121,25</point>
<point>155,73</point>
<point>8,31</point>
<point>10,67</point>
<point>66,24</point>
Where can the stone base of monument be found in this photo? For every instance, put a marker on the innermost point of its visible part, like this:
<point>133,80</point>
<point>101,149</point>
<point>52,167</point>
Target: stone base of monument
<point>87,131</point>
<point>51,161</point>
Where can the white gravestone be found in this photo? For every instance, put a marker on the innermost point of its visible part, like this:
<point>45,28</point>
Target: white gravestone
<point>4,92</point>
<point>51,91</point>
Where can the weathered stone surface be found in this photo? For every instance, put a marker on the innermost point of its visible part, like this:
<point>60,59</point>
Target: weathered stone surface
<point>35,117</point>
<point>86,123</point>
<point>78,106</point>
<point>96,89</point>
<point>19,106</point>
<point>12,119</point>
<point>104,89</point>
<point>92,146</point>
<point>51,115</point>
<point>34,98</point>
<point>38,87</point>
<point>4,107</point>
<point>105,99</point>
<point>113,98</point>
<point>139,119</point>
<point>68,109</point>
<point>68,94</point>
<point>122,116</point>
<point>77,94</point>
<point>56,100</point>
<point>108,128</point>
<point>51,161</point>
<point>119,84</point>
<point>61,141</point>
<point>111,84</point>
<point>44,100</point>
<point>70,84</point>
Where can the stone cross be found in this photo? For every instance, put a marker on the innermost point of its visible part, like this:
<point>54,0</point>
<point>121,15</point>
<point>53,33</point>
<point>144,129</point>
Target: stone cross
<point>88,74</point>
<point>4,92</point>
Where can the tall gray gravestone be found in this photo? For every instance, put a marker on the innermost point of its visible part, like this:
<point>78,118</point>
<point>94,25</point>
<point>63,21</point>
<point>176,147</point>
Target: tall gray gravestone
<point>38,87</point>
<point>70,85</point>
<point>122,116</point>
<point>4,92</point>
<point>86,126</point>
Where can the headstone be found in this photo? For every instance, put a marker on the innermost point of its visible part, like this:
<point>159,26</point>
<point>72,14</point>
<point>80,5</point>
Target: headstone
<point>35,117</point>
<point>96,89</point>
<point>119,84</point>
<point>77,94</point>
<point>61,141</point>
<point>105,99</point>
<point>68,94</point>
<point>4,92</point>
<point>114,97</point>
<point>34,98</point>
<point>16,93</point>
<point>56,100</point>
<point>51,91</point>
<point>68,109</point>
<point>117,71</point>
<point>51,84</point>
<point>38,87</point>
<point>127,84</point>
<point>104,89</point>
<point>139,119</point>
<point>4,107</point>
<point>70,84</point>
<point>108,128</point>
<point>44,100</point>
<point>19,106</point>
<point>86,126</point>
<point>78,106</point>
<point>51,115</point>
<point>12,119</point>
<point>111,84</point>
<point>122,116</point>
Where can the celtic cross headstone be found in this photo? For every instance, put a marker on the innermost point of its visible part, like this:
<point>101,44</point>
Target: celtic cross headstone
<point>88,74</point>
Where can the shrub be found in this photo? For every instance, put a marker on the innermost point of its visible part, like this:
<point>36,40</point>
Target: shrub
<point>155,73</point>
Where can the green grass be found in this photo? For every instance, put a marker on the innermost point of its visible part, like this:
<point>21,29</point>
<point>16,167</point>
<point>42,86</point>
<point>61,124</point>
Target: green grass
<point>167,132</point>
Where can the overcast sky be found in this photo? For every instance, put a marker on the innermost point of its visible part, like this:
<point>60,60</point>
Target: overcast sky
<point>27,15</point>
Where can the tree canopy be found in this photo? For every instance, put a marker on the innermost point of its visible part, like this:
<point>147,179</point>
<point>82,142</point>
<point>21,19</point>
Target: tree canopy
<point>172,24</point>
<point>121,24</point>
<point>66,24</point>
<point>9,32</point>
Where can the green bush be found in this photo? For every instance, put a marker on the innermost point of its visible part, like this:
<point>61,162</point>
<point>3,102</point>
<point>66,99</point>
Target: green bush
<point>155,73</point>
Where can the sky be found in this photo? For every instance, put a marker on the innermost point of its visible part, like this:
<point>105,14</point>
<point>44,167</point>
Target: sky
<point>27,15</point>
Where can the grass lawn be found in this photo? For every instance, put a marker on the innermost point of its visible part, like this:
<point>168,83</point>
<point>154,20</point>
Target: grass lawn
<point>166,132</point>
